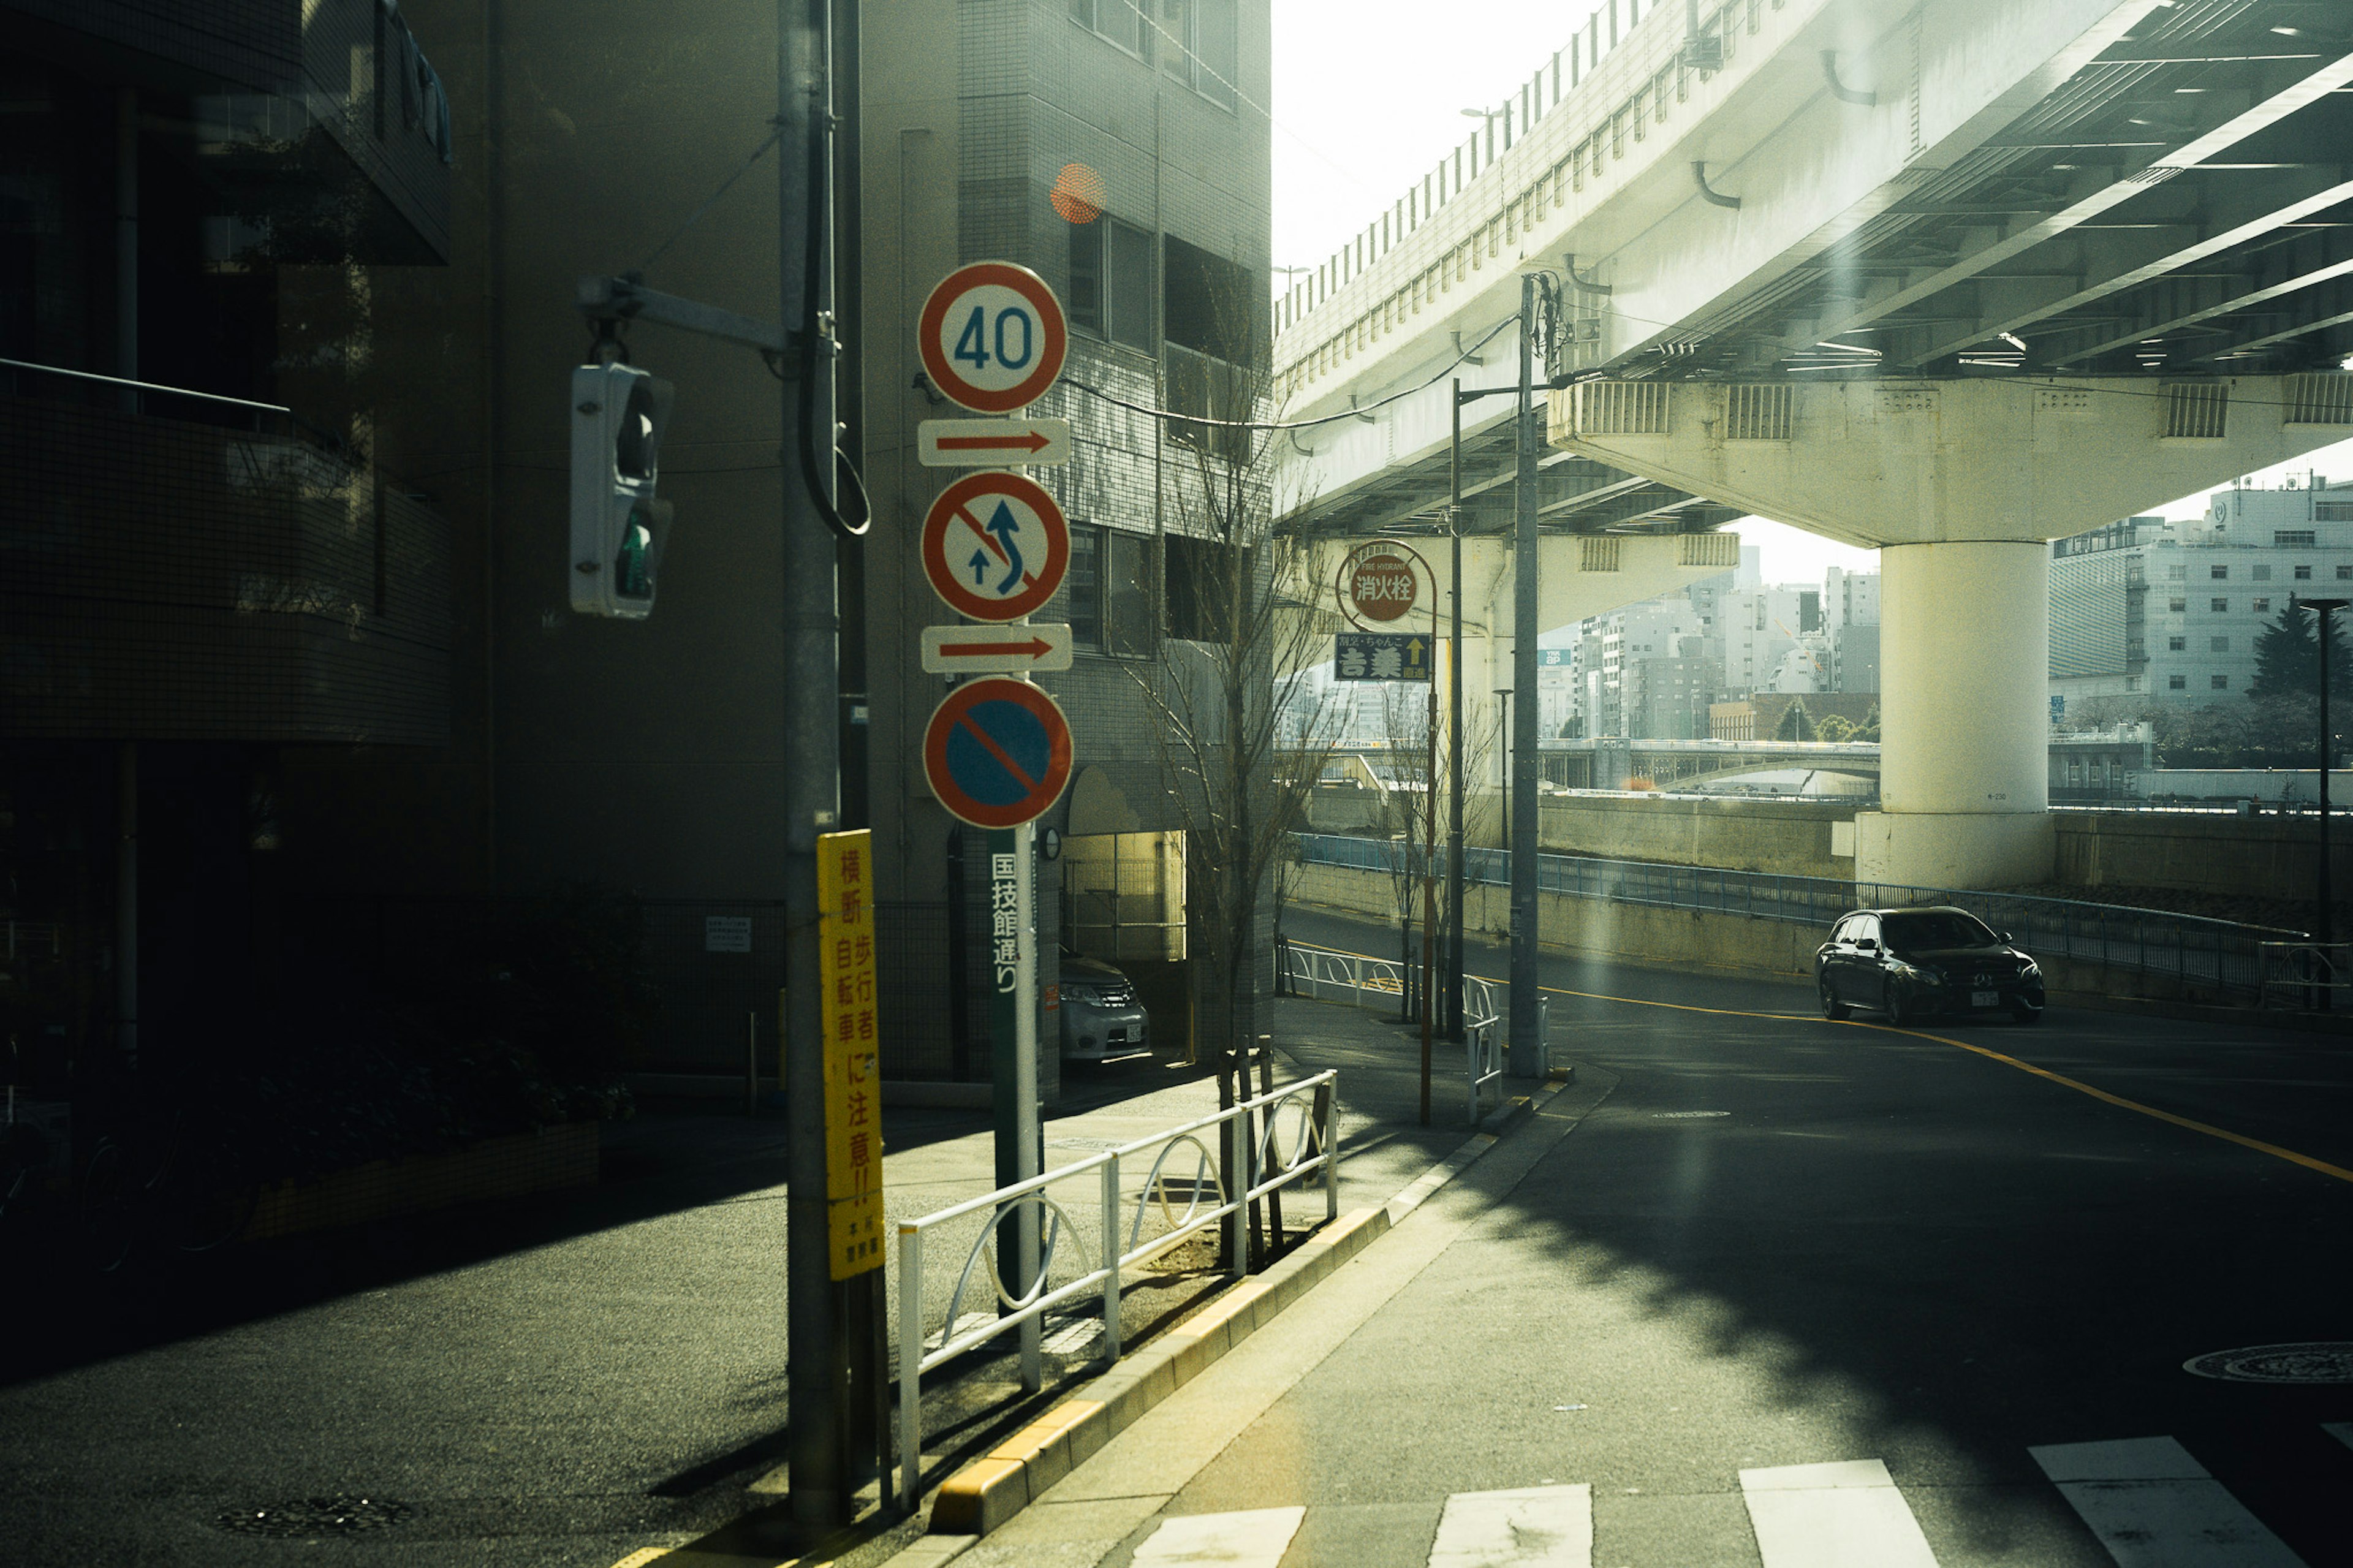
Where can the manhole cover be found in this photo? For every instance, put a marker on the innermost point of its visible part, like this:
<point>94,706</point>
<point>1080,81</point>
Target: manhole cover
<point>2319,1361</point>
<point>307,1517</point>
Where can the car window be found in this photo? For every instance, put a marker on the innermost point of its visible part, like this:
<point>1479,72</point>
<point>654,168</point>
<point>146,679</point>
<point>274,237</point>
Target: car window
<point>1929,929</point>
<point>1865,927</point>
<point>1844,931</point>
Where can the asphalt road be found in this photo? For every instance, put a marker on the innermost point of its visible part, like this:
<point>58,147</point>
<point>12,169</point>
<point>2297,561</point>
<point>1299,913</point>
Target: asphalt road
<point>1962,1264</point>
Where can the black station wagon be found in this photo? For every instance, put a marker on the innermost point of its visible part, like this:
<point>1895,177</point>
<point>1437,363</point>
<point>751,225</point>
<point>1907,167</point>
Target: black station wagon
<point>1914,963</point>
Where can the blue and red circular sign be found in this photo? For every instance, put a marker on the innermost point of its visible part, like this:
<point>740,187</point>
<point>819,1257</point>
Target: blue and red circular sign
<point>998,752</point>
<point>996,546</point>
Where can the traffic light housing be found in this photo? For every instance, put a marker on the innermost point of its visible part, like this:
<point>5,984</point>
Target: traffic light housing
<point>618,528</point>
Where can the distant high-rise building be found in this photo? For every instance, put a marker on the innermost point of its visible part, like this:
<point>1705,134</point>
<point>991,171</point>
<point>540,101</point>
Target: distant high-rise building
<point>2170,610</point>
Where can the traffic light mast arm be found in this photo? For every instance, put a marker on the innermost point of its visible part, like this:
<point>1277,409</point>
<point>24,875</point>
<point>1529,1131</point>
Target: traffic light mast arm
<point>622,299</point>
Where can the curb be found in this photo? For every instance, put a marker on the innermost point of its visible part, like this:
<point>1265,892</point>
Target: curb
<point>985,1493</point>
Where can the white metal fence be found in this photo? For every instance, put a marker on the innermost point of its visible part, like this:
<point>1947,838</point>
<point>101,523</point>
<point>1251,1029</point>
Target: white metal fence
<point>1329,974</point>
<point>1269,1142</point>
<point>2308,975</point>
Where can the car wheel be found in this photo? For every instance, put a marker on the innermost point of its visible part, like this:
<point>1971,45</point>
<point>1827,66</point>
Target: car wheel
<point>1899,1008</point>
<point>1832,1008</point>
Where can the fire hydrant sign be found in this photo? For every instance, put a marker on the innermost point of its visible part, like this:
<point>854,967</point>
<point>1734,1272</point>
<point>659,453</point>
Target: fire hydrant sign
<point>854,1100</point>
<point>993,337</point>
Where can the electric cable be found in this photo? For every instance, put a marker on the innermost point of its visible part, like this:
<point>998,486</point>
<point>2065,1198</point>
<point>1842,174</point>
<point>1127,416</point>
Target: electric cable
<point>814,342</point>
<point>712,200</point>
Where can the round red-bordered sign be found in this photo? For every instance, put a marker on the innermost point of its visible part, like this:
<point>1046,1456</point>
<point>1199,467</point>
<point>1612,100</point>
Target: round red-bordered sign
<point>1380,581</point>
<point>993,337</point>
<point>996,753</point>
<point>996,546</point>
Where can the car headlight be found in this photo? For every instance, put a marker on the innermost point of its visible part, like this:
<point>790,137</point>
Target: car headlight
<point>1086,994</point>
<point>1916,972</point>
<point>2032,970</point>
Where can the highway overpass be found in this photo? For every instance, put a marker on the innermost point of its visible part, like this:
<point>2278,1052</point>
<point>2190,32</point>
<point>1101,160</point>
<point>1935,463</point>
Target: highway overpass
<point>1953,278</point>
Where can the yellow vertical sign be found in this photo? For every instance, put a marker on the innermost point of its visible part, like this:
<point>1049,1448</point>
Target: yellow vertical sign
<point>853,1107</point>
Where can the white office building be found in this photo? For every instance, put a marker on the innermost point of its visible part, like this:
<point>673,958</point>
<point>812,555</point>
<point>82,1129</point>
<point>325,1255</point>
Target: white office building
<point>2150,608</point>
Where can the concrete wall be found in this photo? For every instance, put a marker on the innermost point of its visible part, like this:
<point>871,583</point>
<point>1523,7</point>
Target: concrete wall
<point>1789,838</point>
<point>2267,857</point>
<point>1698,941</point>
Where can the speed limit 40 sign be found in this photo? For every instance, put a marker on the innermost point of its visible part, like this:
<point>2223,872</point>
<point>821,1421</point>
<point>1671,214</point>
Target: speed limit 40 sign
<point>993,337</point>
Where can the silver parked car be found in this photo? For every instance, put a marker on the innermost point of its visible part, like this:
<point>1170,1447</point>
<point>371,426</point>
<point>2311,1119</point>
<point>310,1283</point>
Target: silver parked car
<point>1102,1020</point>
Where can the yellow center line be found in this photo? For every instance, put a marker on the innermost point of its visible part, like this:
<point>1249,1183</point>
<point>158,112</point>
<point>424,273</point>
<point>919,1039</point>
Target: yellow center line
<point>2224,1133</point>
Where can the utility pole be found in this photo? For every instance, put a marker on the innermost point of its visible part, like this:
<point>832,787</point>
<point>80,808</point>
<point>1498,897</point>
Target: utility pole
<point>816,1332</point>
<point>2324,931</point>
<point>1454,735</point>
<point>1526,1049</point>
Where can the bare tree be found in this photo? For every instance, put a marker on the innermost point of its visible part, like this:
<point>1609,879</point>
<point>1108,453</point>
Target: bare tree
<point>1227,697</point>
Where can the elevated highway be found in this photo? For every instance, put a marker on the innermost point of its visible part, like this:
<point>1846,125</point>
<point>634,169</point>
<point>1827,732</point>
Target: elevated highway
<point>1954,279</point>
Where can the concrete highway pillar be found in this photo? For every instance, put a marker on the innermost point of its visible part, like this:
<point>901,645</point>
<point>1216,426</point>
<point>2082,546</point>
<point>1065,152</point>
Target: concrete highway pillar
<point>1962,485</point>
<point>1963,777</point>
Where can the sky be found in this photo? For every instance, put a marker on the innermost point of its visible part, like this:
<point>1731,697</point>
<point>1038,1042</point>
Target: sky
<point>1369,96</point>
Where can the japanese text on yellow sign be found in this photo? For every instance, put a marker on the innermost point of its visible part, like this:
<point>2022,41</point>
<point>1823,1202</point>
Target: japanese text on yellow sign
<point>853,1120</point>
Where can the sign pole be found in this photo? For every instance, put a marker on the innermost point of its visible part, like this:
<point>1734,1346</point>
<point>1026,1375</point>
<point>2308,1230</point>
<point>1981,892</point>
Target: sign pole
<point>814,1305</point>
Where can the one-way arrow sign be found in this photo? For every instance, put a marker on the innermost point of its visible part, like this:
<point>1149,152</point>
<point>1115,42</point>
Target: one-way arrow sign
<point>995,650</point>
<point>993,443</point>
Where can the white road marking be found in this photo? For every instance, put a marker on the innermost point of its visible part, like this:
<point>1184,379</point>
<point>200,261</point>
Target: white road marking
<point>2153,1506</point>
<point>1254,1538</point>
<point>1847,1514</point>
<point>1532,1527</point>
<point>2340,1430</point>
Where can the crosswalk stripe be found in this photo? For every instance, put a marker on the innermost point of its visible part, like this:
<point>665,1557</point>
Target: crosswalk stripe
<point>1531,1527</point>
<point>1847,1514</point>
<point>2153,1506</point>
<point>2340,1430</point>
<point>1253,1538</point>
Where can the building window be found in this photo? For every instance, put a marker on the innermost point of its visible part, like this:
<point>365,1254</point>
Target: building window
<point>1117,20</point>
<point>2217,645</point>
<point>2177,683</point>
<point>1199,44</point>
<point>1084,589</point>
<point>2261,606</point>
<point>1203,589</point>
<point>1128,618</point>
<point>2176,644</point>
<point>2218,572</point>
<point>2344,574</point>
<point>1111,279</point>
<point>2289,538</point>
<point>2218,682</point>
<point>2219,606</point>
<point>2176,573</point>
<point>2176,605</point>
<point>2304,574</point>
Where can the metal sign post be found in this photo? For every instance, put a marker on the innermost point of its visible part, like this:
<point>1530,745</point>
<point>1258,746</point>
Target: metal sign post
<point>996,753</point>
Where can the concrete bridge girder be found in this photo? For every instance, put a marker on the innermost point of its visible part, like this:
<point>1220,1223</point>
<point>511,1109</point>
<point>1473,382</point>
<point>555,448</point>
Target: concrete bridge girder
<point>1962,484</point>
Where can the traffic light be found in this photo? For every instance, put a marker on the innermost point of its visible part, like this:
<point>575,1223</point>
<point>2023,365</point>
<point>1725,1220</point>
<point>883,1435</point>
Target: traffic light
<point>618,529</point>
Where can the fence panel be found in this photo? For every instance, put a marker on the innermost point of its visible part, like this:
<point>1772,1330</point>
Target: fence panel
<point>2219,954</point>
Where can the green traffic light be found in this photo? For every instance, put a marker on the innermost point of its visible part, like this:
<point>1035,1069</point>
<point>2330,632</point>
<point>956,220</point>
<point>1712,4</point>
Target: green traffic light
<point>631,578</point>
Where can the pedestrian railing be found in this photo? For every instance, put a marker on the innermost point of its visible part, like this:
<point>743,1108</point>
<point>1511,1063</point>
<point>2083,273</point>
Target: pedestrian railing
<point>1323,973</point>
<point>2217,954</point>
<point>1266,1142</point>
<point>2308,975</point>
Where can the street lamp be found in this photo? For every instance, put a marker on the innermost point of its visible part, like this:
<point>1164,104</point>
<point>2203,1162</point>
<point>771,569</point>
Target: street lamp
<point>2323,932</point>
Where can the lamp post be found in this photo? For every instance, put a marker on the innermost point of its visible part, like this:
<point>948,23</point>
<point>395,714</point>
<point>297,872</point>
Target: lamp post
<point>2324,930</point>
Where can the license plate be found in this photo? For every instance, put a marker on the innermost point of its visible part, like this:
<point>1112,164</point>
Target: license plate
<point>1985,998</point>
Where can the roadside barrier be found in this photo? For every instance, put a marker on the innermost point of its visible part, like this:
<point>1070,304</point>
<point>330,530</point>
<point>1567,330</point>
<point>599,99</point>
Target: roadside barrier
<point>2219,954</point>
<point>1323,973</point>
